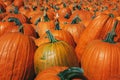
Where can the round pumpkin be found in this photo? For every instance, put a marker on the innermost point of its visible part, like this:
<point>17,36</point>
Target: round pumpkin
<point>97,29</point>
<point>75,28</point>
<point>54,53</point>
<point>100,59</point>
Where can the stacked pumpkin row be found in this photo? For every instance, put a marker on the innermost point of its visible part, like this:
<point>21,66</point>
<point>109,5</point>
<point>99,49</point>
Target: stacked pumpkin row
<point>59,40</point>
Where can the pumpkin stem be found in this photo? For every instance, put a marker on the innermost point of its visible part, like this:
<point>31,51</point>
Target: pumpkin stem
<point>21,29</point>
<point>46,18</point>
<point>16,11</point>
<point>50,36</point>
<point>111,15</point>
<point>34,8</point>
<point>1,11</point>
<point>71,73</point>
<point>111,34</point>
<point>76,20</point>
<point>57,26</point>
<point>17,22</point>
<point>37,21</point>
<point>87,9</point>
<point>64,5</point>
<point>67,16</point>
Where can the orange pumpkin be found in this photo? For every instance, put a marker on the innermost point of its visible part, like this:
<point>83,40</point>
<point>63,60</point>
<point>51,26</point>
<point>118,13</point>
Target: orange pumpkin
<point>61,73</point>
<point>100,59</point>
<point>27,28</point>
<point>75,28</point>
<point>54,53</point>
<point>97,29</point>
<point>65,11</point>
<point>17,51</point>
<point>45,24</point>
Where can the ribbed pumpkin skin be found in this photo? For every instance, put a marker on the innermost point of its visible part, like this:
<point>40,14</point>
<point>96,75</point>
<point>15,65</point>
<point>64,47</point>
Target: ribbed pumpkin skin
<point>54,54</point>
<point>16,57</point>
<point>101,60</point>
<point>50,73</point>
<point>97,29</point>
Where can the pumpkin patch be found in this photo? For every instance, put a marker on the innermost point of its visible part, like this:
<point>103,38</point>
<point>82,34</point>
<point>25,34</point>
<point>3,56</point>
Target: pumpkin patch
<point>59,39</point>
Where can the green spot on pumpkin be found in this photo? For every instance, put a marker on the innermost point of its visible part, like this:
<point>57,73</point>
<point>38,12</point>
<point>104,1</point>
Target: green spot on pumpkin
<point>43,57</point>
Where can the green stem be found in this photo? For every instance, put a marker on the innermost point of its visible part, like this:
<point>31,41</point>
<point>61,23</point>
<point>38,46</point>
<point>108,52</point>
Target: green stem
<point>111,34</point>
<point>79,7</point>
<point>21,29</point>
<point>67,16</point>
<point>46,18</point>
<point>1,11</point>
<point>16,11</point>
<point>76,20</point>
<point>50,36</point>
<point>17,22</point>
<point>111,15</point>
<point>64,5</point>
<point>71,73</point>
<point>37,21</point>
<point>34,8</point>
<point>57,26</point>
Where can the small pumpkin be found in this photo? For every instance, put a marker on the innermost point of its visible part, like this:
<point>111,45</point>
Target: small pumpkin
<point>64,12</point>
<point>45,24</point>
<point>75,28</point>
<point>54,53</point>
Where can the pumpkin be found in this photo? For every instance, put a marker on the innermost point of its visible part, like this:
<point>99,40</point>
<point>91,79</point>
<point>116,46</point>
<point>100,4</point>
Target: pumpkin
<point>84,15</point>
<point>61,73</point>
<point>100,59</point>
<point>16,60</point>
<point>18,3</point>
<point>61,35</point>
<point>97,29</point>
<point>75,28</point>
<point>16,14</point>
<point>44,24</point>
<point>24,10</point>
<point>27,28</point>
<point>65,11</point>
<point>54,53</point>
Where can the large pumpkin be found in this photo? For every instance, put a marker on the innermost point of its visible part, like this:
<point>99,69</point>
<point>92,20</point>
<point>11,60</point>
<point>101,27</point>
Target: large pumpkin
<point>54,53</point>
<point>16,57</point>
<point>97,29</point>
<point>101,59</point>
<point>61,73</point>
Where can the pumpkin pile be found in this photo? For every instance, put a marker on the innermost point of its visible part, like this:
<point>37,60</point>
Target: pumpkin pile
<point>59,39</point>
